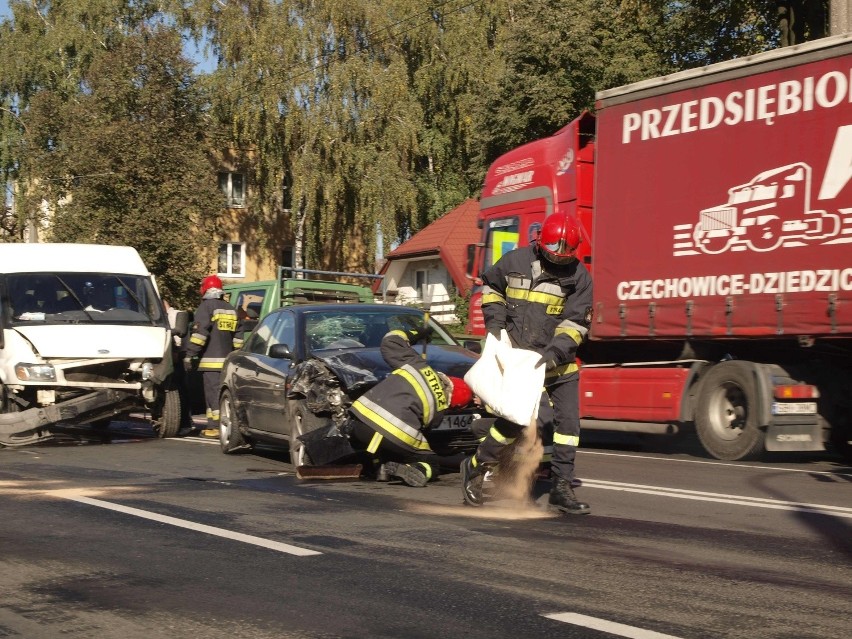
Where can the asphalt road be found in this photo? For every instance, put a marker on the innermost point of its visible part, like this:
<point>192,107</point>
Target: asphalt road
<point>133,536</point>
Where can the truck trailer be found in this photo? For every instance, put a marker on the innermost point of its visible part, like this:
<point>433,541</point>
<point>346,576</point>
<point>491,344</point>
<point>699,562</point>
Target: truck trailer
<point>716,205</point>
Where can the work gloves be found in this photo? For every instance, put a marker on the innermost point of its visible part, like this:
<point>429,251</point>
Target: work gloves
<point>188,364</point>
<point>416,335</point>
<point>549,358</point>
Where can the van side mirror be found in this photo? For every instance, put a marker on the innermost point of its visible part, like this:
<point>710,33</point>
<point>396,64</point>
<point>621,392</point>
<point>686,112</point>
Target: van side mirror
<point>181,324</point>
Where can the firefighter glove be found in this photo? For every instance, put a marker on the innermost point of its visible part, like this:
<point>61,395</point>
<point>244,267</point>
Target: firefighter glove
<point>419,334</point>
<point>187,364</point>
<point>549,358</point>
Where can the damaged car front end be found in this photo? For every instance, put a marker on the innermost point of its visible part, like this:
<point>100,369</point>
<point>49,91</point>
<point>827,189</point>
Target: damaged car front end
<point>302,368</point>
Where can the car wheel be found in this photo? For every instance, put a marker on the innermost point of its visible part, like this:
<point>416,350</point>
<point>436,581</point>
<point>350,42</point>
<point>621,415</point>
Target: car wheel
<point>230,438</point>
<point>303,421</point>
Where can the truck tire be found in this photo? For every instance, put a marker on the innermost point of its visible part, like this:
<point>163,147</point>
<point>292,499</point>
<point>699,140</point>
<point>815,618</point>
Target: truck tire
<point>230,438</point>
<point>726,414</point>
<point>167,412</point>
<point>304,421</point>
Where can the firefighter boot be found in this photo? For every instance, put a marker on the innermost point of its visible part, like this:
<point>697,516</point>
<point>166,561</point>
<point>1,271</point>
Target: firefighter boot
<point>417,474</point>
<point>472,481</point>
<point>563,499</point>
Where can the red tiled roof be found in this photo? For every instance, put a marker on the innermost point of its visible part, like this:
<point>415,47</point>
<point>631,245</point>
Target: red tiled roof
<point>447,238</point>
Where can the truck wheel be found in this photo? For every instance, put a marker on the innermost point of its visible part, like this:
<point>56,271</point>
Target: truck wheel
<point>841,440</point>
<point>230,438</point>
<point>725,418</point>
<point>304,421</point>
<point>167,413</point>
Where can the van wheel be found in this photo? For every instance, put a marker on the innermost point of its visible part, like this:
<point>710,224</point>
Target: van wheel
<point>7,405</point>
<point>167,413</point>
<point>725,418</point>
<point>230,438</point>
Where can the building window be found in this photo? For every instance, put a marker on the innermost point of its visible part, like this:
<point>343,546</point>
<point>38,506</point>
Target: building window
<point>232,186</point>
<point>420,284</point>
<point>232,261</point>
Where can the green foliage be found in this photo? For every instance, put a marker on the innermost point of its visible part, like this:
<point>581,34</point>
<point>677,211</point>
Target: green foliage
<point>462,309</point>
<point>355,115</point>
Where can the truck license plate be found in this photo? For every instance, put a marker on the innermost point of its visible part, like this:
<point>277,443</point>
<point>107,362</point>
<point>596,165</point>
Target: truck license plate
<point>794,408</point>
<point>456,422</point>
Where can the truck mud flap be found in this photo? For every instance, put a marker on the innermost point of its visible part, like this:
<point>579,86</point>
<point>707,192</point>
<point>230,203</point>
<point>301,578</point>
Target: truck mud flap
<point>795,436</point>
<point>28,426</point>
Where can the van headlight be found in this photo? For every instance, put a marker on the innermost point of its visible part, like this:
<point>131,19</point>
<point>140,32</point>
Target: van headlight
<point>35,372</point>
<point>147,370</point>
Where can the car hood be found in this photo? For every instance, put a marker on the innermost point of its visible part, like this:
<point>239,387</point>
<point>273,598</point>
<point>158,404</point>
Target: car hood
<point>75,341</point>
<point>359,369</point>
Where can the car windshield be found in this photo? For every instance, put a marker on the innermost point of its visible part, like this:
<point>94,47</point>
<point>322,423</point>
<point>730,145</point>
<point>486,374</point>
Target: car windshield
<point>341,328</point>
<point>83,298</point>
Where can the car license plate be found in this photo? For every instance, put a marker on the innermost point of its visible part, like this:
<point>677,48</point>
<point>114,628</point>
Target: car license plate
<point>794,408</point>
<point>456,422</point>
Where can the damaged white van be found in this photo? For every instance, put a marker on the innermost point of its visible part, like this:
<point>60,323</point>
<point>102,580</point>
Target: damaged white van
<point>85,338</point>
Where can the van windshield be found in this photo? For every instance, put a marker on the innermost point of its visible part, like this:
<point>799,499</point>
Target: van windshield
<point>83,298</point>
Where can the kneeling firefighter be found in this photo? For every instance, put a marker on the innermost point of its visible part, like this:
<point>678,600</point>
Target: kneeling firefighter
<point>390,418</point>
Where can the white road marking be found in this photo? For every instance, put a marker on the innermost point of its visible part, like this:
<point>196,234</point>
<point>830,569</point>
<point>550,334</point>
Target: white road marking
<point>714,463</point>
<point>182,523</point>
<point>759,502</point>
<point>611,627</point>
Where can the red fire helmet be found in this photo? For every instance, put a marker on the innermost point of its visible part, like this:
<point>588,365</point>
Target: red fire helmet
<point>560,237</point>
<point>461,395</point>
<point>211,281</point>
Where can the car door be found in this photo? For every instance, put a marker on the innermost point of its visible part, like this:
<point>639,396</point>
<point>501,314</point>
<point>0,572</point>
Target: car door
<point>266,385</point>
<point>243,370</point>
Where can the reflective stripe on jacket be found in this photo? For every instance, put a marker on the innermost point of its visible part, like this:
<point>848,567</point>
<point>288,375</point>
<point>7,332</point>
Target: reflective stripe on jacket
<point>212,335</point>
<point>410,398</point>
<point>539,304</point>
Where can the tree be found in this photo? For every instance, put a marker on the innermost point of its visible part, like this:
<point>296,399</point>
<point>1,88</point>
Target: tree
<point>130,160</point>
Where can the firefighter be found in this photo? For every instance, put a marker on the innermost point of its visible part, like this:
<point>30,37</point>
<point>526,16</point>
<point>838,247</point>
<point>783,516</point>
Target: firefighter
<point>542,295</point>
<point>390,418</point>
<point>209,342</point>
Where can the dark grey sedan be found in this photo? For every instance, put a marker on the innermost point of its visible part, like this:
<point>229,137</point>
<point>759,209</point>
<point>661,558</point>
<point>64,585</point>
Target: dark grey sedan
<point>303,366</point>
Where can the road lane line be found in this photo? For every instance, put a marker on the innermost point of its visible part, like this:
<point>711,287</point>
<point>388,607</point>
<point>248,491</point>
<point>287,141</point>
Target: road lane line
<point>182,523</point>
<point>611,627</point>
<point>717,463</point>
<point>759,502</point>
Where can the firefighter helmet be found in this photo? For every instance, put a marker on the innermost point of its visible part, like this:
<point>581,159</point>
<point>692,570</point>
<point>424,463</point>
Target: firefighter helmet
<point>559,239</point>
<point>459,393</point>
<point>211,281</point>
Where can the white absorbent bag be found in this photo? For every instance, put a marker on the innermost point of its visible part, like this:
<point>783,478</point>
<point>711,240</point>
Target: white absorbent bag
<point>508,380</point>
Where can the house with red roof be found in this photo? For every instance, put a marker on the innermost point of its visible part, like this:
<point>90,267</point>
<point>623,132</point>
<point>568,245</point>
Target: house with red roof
<point>424,269</point>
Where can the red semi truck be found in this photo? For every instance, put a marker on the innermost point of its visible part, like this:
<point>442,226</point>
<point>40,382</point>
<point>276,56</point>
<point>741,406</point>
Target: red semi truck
<point>717,209</point>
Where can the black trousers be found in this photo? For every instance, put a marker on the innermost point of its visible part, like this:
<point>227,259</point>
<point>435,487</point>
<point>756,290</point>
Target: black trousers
<point>211,396</point>
<point>559,413</point>
<point>388,449</point>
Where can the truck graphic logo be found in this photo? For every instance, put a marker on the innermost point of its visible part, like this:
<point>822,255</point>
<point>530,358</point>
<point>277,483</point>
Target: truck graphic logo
<point>774,210</point>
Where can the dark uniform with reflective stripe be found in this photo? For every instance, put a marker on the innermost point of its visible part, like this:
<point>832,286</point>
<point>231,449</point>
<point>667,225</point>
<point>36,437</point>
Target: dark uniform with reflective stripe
<point>541,305</point>
<point>212,338</point>
<point>394,413</point>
